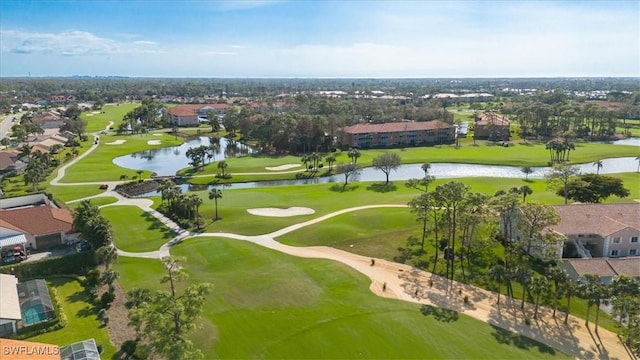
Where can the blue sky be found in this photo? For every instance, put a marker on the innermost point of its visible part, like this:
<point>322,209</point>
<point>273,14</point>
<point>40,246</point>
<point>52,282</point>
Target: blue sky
<point>164,38</point>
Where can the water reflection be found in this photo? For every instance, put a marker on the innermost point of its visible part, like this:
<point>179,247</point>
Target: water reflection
<point>439,170</point>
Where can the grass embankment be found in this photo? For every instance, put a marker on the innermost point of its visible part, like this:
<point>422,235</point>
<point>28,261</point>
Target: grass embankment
<point>111,112</point>
<point>82,323</point>
<point>265,304</point>
<point>519,154</point>
<point>135,230</point>
<point>99,166</point>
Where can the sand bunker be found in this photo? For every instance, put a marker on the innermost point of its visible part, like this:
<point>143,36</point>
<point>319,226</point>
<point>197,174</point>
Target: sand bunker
<point>278,212</point>
<point>95,112</point>
<point>153,142</point>
<point>117,142</point>
<point>157,134</point>
<point>282,167</point>
<point>88,114</point>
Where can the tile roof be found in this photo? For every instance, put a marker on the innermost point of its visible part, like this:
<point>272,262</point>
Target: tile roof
<point>8,157</point>
<point>492,118</point>
<point>628,266</point>
<point>598,266</point>
<point>28,350</point>
<point>38,220</point>
<point>185,110</point>
<point>396,127</point>
<point>600,219</point>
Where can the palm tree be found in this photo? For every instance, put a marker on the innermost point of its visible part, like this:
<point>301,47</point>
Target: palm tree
<point>25,151</point>
<point>598,164</point>
<point>523,276</point>
<point>330,159</point>
<point>305,159</point>
<point>196,201</point>
<point>124,178</point>
<point>222,165</point>
<point>539,285</point>
<point>498,274</point>
<point>215,194</point>
<point>139,172</point>
<point>525,191</point>
<point>527,170</point>
<point>560,278</point>
<point>354,154</point>
<point>426,167</point>
<point>591,291</point>
<point>571,288</point>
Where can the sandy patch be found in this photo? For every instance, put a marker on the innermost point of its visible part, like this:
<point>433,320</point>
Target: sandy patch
<point>157,134</point>
<point>88,114</point>
<point>153,142</point>
<point>282,167</point>
<point>95,112</point>
<point>117,142</point>
<point>278,212</point>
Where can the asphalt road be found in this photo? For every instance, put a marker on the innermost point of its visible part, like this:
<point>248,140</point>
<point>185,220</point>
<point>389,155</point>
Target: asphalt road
<point>7,122</point>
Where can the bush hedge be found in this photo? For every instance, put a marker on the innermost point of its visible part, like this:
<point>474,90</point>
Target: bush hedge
<point>59,265</point>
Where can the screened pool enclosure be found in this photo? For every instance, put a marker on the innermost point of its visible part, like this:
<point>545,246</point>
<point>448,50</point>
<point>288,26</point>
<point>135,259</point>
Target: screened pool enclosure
<point>35,302</point>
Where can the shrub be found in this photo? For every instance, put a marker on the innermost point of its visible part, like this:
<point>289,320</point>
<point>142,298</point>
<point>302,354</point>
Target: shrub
<point>128,348</point>
<point>59,265</point>
<point>106,299</point>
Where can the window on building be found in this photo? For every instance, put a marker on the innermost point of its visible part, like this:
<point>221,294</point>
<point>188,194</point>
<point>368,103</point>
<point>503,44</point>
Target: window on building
<point>633,252</point>
<point>616,240</point>
<point>580,235</point>
<point>615,252</point>
<point>634,239</point>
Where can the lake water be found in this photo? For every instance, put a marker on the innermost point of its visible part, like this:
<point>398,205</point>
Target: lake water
<point>167,161</point>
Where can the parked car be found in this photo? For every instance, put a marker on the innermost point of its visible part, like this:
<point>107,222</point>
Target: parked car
<point>104,186</point>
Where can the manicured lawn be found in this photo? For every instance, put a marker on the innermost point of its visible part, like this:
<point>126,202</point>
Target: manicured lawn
<point>325,198</point>
<point>518,154</point>
<point>67,193</point>
<point>82,323</point>
<point>266,304</point>
<point>99,166</point>
<point>135,230</point>
<point>112,112</point>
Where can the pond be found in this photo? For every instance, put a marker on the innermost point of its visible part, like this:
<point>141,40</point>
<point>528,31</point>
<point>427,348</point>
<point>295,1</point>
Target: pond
<point>439,170</point>
<point>167,161</point>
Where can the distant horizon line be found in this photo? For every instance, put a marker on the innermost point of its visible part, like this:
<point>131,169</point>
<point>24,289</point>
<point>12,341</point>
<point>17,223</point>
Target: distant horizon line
<point>308,77</point>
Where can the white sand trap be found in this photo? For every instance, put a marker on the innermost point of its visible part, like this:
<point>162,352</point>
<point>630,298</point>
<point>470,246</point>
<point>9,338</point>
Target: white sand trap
<point>278,212</point>
<point>157,134</point>
<point>88,114</point>
<point>282,167</point>
<point>153,142</point>
<point>95,112</point>
<point>117,142</point>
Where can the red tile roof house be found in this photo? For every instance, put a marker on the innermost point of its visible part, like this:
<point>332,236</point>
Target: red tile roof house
<point>10,162</point>
<point>187,115</point>
<point>396,134</point>
<point>492,126</point>
<point>606,269</point>
<point>48,120</point>
<point>44,226</point>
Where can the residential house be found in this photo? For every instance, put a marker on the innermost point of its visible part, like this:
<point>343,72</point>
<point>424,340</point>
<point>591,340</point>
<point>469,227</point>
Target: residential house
<point>396,134</point>
<point>48,120</point>
<point>595,230</point>
<point>43,225</point>
<point>492,126</point>
<point>605,268</point>
<point>601,230</point>
<point>44,143</point>
<point>190,114</point>
<point>10,313</point>
<point>10,162</point>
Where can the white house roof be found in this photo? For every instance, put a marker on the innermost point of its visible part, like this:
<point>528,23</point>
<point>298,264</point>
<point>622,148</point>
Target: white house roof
<point>13,240</point>
<point>10,305</point>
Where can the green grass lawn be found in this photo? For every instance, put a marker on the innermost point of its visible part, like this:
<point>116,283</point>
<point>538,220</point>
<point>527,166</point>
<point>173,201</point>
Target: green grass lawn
<point>112,112</point>
<point>82,323</point>
<point>99,166</point>
<point>519,154</point>
<point>67,193</point>
<point>135,230</point>
<point>325,198</point>
<point>266,304</point>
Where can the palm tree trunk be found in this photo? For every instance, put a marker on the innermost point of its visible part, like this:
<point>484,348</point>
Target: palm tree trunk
<point>566,316</point>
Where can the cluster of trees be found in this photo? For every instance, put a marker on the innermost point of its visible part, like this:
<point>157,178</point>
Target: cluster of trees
<point>586,188</point>
<point>180,207</point>
<point>164,319</point>
<point>38,167</point>
<point>149,114</point>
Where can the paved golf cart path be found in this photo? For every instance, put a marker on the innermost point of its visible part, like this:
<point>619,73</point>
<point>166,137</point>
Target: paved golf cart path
<point>402,282</point>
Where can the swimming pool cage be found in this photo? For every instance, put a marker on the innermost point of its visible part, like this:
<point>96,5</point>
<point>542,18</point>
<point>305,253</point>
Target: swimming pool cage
<point>35,302</point>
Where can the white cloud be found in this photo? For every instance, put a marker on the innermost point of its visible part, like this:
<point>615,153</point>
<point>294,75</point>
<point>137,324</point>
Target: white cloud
<point>144,42</point>
<point>72,42</point>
